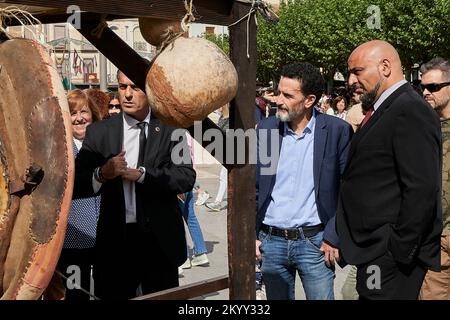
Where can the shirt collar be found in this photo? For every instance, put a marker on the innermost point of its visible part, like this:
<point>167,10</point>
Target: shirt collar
<point>387,93</point>
<point>130,122</point>
<point>309,127</point>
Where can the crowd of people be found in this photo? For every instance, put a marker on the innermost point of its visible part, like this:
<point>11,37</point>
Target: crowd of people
<point>361,180</point>
<point>361,184</point>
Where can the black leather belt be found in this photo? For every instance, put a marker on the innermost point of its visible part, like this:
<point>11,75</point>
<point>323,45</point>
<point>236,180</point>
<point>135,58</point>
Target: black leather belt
<point>292,233</point>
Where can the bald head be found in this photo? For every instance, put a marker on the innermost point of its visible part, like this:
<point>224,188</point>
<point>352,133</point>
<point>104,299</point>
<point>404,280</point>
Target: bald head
<point>374,67</point>
<point>377,51</point>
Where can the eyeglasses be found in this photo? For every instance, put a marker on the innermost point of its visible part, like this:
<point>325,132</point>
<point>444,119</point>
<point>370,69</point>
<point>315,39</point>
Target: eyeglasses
<point>433,87</point>
<point>114,106</point>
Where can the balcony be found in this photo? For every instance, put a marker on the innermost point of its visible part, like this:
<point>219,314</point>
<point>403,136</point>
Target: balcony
<point>140,45</point>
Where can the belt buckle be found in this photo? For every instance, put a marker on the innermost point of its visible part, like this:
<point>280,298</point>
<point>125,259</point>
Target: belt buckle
<point>293,236</point>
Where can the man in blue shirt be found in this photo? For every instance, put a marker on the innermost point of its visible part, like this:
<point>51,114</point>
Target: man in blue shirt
<point>297,188</point>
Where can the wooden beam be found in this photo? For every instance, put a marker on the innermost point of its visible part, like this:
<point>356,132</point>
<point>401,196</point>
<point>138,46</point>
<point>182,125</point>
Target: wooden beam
<point>207,11</point>
<point>62,17</point>
<point>116,50</point>
<point>241,186</point>
<point>189,291</point>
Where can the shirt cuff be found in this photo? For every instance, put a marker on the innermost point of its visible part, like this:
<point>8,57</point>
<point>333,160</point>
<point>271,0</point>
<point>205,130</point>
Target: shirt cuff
<point>142,178</point>
<point>95,184</point>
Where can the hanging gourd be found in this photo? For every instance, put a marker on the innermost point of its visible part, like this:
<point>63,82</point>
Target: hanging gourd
<point>188,80</point>
<point>155,30</point>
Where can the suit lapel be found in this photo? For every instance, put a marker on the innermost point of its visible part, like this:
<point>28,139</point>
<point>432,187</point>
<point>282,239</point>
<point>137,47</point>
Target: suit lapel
<point>153,140</point>
<point>320,141</point>
<point>115,132</point>
<point>362,132</point>
<point>280,135</point>
<point>280,141</point>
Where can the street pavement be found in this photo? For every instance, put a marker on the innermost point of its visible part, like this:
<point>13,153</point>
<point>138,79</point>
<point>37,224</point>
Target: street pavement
<point>214,227</point>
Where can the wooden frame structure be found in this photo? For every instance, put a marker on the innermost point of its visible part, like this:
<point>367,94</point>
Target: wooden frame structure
<point>241,186</point>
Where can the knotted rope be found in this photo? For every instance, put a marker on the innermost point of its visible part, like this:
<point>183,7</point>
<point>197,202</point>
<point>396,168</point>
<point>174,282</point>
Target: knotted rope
<point>23,17</point>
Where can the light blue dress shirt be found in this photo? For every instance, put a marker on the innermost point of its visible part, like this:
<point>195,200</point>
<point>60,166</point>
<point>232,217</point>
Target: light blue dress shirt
<point>293,202</point>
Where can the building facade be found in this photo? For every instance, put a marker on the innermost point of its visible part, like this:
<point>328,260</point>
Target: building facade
<point>78,62</point>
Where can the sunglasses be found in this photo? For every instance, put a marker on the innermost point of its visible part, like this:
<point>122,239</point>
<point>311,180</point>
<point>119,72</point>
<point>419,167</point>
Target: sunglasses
<point>114,106</point>
<point>433,87</point>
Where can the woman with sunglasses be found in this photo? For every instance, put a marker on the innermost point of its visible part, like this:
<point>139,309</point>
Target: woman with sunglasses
<point>114,104</point>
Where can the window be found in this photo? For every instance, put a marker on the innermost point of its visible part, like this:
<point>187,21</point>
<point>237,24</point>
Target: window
<point>210,30</point>
<point>60,32</point>
<point>139,43</point>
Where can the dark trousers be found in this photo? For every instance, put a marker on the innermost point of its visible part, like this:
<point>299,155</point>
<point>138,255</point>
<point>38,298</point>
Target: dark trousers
<point>75,264</point>
<point>386,279</point>
<point>138,261</point>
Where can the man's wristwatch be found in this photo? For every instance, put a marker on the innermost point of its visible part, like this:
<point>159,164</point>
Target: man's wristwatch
<point>142,176</point>
<point>98,175</point>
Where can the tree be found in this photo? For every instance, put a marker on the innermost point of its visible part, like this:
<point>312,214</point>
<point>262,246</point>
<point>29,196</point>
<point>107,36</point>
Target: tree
<point>222,41</point>
<point>324,32</point>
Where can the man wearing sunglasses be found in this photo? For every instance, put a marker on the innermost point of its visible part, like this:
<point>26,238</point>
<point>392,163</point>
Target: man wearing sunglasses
<point>435,85</point>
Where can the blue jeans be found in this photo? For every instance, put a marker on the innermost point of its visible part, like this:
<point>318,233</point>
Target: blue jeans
<point>187,208</point>
<point>281,258</point>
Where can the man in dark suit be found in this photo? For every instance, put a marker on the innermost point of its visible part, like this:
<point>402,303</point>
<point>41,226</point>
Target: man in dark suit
<point>389,213</point>
<point>297,189</point>
<point>127,159</point>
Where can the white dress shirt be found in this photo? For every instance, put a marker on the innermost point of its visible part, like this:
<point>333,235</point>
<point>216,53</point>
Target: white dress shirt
<point>78,143</point>
<point>131,147</point>
<point>387,93</point>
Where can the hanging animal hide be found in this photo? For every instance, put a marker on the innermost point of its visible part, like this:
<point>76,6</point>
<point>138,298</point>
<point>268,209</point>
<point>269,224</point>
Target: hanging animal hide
<point>37,168</point>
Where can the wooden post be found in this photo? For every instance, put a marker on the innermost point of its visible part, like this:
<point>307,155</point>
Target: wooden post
<point>241,178</point>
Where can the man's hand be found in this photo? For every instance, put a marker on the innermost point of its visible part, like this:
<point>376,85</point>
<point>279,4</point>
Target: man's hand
<point>114,167</point>
<point>132,175</point>
<point>258,253</point>
<point>331,253</point>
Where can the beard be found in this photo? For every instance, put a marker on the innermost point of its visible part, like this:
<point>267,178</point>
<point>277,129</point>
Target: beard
<point>287,116</point>
<point>440,106</point>
<point>368,98</point>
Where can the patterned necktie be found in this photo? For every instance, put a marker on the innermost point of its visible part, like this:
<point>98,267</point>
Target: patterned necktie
<point>142,142</point>
<point>367,117</point>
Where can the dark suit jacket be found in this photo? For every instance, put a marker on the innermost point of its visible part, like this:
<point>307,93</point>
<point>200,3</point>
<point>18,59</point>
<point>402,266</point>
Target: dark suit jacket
<point>331,141</point>
<point>390,193</point>
<point>163,181</point>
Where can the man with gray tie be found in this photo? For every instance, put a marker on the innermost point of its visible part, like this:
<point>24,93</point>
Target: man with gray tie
<point>140,235</point>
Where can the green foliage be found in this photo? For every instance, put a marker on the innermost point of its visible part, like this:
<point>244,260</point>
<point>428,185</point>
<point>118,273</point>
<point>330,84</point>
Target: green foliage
<point>222,41</point>
<point>324,32</point>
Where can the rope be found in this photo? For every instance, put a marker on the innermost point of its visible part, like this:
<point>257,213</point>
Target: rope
<point>98,30</point>
<point>189,17</point>
<point>256,6</point>
<point>23,17</point>
<point>169,36</point>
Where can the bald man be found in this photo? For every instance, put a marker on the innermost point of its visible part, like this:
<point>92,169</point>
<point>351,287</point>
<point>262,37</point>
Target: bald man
<point>389,212</point>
